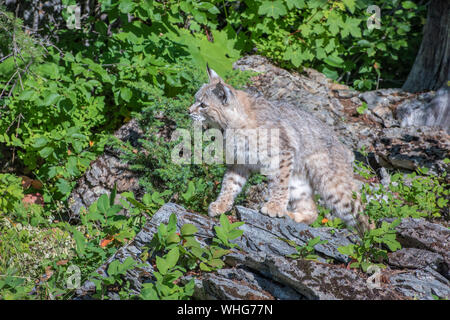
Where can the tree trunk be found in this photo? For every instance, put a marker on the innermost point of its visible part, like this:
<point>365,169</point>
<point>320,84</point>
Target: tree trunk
<point>431,67</point>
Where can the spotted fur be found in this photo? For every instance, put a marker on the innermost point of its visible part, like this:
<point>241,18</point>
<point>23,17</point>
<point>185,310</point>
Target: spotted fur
<point>311,158</point>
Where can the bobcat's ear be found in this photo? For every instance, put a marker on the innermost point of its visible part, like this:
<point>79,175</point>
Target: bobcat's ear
<point>213,76</point>
<point>222,93</point>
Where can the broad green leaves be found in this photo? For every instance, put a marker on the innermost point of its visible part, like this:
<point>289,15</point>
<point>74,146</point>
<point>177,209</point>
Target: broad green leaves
<point>299,4</point>
<point>219,54</point>
<point>350,4</point>
<point>369,249</point>
<point>334,61</point>
<point>409,5</point>
<point>273,9</point>
<point>180,252</point>
<point>351,27</point>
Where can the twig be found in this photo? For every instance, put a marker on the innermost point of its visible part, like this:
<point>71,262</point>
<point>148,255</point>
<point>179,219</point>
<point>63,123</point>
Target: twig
<point>5,57</point>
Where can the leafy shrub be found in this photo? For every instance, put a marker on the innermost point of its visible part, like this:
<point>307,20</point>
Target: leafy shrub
<point>10,192</point>
<point>180,253</point>
<point>333,37</point>
<point>306,251</point>
<point>417,194</point>
<point>369,250</point>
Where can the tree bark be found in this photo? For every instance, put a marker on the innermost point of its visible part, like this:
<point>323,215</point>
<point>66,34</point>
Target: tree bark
<point>431,67</point>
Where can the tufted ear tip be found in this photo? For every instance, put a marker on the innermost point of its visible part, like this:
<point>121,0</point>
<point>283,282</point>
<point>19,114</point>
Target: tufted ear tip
<point>213,76</point>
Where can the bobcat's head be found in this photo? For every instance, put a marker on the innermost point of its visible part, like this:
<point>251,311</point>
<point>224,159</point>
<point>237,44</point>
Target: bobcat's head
<point>216,103</point>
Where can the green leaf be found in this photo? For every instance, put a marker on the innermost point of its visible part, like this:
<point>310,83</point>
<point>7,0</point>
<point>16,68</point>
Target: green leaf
<point>441,202</point>
<point>409,5</point>
<point>45,152</point>
<point>188,229</point>
<point>332,74</point>
<point>63,186</point>
<point>103,203</point>
<point>26,95</point>
<point>220,253</point>
<point>294,55</point>
<point>316,3</point>
<point>216,263</point>
<point>156,198</point>
<point>80,240</point>
<point>173,238</point>
<point>126,94</point>
<point>113,210</point>
<point>233,234</point>
<point>362,109</point>
<point>172,225</point>
<point>172,257</point>
<point>126,6</point>
<point>162,265</point>
<point>273,9</point>
<point>50,99</point>
<point>299,4</point>
<point>40,142</point>
<point>350,4</point>
<point>189,192</point>
<point>224,222</point>
<point>334,61</point>
<point>49,70</point>
<point>351,26</point>
<point>334,22</point>
<point>112,196</point>
<point>204,267</point>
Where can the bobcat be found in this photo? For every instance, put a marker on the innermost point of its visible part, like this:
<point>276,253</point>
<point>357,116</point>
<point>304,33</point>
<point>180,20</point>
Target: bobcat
<point>311,158</point>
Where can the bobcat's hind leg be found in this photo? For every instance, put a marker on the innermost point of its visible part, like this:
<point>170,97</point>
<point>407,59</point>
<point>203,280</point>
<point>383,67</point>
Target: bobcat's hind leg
<point>302,207</point>
<point>334,182</point>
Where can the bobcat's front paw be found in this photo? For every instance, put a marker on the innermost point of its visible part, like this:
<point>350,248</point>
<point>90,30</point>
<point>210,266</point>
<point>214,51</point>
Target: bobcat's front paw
<point>273,209</point>
<point>216,208</point>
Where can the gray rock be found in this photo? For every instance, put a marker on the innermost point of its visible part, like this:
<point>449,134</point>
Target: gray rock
<point>427,110</point>
<point>274,228</point>
<point>106,171</point>
<point>421,234</point>
<point>312,279</point>
<point>421,284</point>
<point>413,258</point>
<point>411,148</point>
<point>259,271</point>
<point>240,284</point>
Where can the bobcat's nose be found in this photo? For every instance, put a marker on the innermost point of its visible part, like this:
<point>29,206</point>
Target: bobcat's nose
<point>194,112</point>
<point>194,108</point>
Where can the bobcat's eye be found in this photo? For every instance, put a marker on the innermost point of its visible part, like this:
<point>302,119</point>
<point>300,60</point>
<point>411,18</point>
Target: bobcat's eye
<point>202,105</point>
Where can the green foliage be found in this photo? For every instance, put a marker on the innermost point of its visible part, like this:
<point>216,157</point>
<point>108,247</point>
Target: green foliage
<point>333,37</point>
<point>370,250</point>
<point>10,192</point>
<point>177,253</point>
<point>306,251</point>
<point>362,109</point>
<point>115,271</point>
<point>64,91</point>
<point>417,194</point>
<point>13,287</point>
